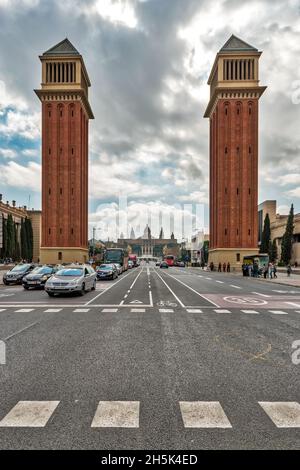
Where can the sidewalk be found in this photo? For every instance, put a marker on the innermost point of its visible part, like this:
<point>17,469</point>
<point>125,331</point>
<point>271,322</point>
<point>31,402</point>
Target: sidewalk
<point>282,278</point>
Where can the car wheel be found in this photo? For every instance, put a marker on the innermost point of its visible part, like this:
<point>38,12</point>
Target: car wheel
<point>5,282</point>
<point>26,287</point>
<point>94,285</point>
<point>51,294</point>
<point>82,292</point>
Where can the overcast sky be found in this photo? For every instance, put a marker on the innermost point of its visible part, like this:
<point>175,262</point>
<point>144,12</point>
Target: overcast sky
<point>148,61</point>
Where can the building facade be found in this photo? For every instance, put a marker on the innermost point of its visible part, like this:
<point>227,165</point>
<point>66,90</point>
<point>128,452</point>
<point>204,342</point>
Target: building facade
<point>65,117</point>
<point>233,117</point>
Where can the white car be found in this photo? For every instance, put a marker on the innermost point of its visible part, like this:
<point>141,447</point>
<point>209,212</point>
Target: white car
<point>78,279</point>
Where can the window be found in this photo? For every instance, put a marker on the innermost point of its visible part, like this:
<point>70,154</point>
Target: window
<point>72,151</point>
<point>249,231</point>
<point>49,113</point>
<point>237,191</point>
<point>238,150</point>
<point>225,190</point>
<point>60,230</point>
<point>72,191</point>
<point>49,231</point>
<point>60,256</point>
<point>225,231</point>
<point>72,231</point>
<point>226,111</point>
<point>49,151</point>
<point>72,113</point>
<point>238,257</point>
<point>250,150</point>
<point>60,190</point>
<point>49,191</point>
<point>237,231</point>
<point>226,150</point>
<point>249,191</point>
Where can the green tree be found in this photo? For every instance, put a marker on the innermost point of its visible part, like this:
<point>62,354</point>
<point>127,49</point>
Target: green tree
<point>4,238</point>
<point>287,239</point>
<point>24,248</point>
<point>273,252</point>
<point>10,246</point>
<point>204,252</point>
<point>266,236</point>
<point>29,239</point>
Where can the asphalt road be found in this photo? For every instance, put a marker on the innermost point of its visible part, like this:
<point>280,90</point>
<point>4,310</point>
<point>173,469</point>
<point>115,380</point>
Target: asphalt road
<point>158,359</point>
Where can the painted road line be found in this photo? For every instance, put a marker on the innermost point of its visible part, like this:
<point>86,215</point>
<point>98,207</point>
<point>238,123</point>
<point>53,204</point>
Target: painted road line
<point>262,295</point>
<point>20,331</point>
<point>108,288</point>
<point>220,282</point>
<point>221,310</point>
<point>150,298</point>
<point>117,414</point>
<point>203,414</point>
<point>137,310</point>
<point>125,296</point>
<point>236,287</point>
<point>136,279</point>
<point>109,310</point>
<point>250,311</point>
<point>52,310</point>
<point>29,414</point>
<point>278,312</point>
<point>284,414</point>
<point>2,309</point>
<point>166,310</point>
<point>293,304</point>
<point>24,310</point>
<point>81,310</point>
<point>193,290</point>
<point>174,295</point>
<point>193,310</point>
<point>208,278</point>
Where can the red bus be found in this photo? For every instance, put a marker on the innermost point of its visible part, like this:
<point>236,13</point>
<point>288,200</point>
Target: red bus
<point>133,258</point>
<point>170,260</point>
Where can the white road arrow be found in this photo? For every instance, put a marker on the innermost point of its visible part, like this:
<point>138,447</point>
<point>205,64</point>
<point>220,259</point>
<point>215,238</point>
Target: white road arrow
<point>136,302</point>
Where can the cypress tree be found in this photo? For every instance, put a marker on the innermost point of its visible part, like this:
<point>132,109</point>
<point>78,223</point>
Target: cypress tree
<point>10,237</point>
<point>29,239</point>
<point>266,236</point>
<point>24,251</point>
<point>4,238</point>
<point>273,253</point>
<point>287,239</point>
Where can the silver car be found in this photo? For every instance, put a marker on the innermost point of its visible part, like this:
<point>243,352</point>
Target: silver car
<point>78,279</point>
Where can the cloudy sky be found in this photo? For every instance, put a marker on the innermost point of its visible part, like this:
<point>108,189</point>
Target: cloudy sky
<point>148,62</point>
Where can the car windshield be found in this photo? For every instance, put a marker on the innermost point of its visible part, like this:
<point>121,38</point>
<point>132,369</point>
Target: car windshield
<point>43,270</point>
<point>21,267</point>
<point>69,272</point>
<point>105,266</point>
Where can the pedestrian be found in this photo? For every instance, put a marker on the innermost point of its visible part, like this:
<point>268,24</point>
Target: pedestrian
<point>244,269</point>
<point>289,270</point>
<point>275,271</point>
<point>250,270</point>
<point>255,269</point>
<point>228,267</point>
<point>219,268</point>
<point>270,270</point>
<point>224,267</point>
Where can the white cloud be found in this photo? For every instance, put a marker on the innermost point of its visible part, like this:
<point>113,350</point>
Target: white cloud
<point>21,177</point>
<point>283,210</point>
<point>8,153</point>
<point>21,124</point>
<point>293,193</point>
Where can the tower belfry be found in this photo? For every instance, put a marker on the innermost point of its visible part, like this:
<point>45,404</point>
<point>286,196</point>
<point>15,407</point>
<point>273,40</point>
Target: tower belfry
<point>233,116</point>
<point>65,115</point>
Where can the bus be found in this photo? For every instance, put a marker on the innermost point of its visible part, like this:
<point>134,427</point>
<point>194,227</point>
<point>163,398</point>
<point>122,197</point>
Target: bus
<point>117,255</point>
<point>170,260</point>
<point>262,259</point>
<point>133,258</point>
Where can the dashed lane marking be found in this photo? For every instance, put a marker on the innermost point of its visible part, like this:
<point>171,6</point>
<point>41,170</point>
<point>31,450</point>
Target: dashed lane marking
<point>293,304</point>
<point>117,414</point>
<point>221,310</point>
<point>109,310</point>
<point>193,310</point>
<point>278,312</point>
<point>174,295</point>
<point>52,310</point>
<point>236,287</point>
<point>166,310</point>
<point>24,310</point>
<point>262,295</point>
<point>203,414</point>
<point>220,282</point>
<point>137,310</point>
<point>29,414</point>
<point>208,278</point>
<point>2,309</point>
<point>250,311</point>
<point>81,310</point>
<point>108,288</point>
<point>283,414</point>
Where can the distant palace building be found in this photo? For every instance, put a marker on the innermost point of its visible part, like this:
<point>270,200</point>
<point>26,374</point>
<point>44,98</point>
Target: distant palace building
<point>149,246</point>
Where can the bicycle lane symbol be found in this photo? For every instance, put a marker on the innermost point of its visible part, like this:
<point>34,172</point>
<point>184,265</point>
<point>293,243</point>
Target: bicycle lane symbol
<point>245,300</point>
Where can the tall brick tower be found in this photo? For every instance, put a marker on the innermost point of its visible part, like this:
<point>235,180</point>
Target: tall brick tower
<point>233,115</point>
<point>65,116</point>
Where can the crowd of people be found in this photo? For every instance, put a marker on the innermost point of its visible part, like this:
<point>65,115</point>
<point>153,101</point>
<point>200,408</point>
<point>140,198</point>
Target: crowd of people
<point>225,267</point>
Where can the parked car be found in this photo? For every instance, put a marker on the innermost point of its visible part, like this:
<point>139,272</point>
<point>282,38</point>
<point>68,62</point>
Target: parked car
<point>181,264</point>
<point>38,277</point>
<point>107,271</point>
<point>78,279</point>
<point>130,264</point>
<point>119,268</point>
<point>157,263</point>
<point>16,274</point>
<point>164,265</point>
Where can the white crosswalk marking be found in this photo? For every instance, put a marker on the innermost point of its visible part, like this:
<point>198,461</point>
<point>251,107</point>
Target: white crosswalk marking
<point>31,414</point>
<point>220,282</point>
<point>236,287</point>
<point>278,312</point>
<point>250,311</point>
<point>24,310</point>
<point>208,278</point>
<point>137,310</point>
<point>52,310</point>
<point>203,414</point>
<point>166,310</point>
<point>117,414</point>
<point>193,310</point>
<point>81,310</point>
<point>262,295</point>
<point>2,309</point>
<point>293,304</point>
<point>222,310</point>
<point>283,414</point>
<point>109,310</point>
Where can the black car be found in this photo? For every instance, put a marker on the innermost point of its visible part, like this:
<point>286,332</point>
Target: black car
<point>16,274</point>
<point>107,271</point>
<point>38,277</point>
<point>164,265</point>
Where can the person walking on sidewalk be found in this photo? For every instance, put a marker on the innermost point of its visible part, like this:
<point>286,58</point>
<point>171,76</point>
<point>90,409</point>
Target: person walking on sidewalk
<point>275,271</point>
<point>228,267</point>
<point>289,270</point>
<point>219,268</point>
<point>224,267</point>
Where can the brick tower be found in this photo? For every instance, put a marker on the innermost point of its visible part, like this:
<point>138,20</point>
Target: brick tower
<point>233,115</point>
<point>65,117</point>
